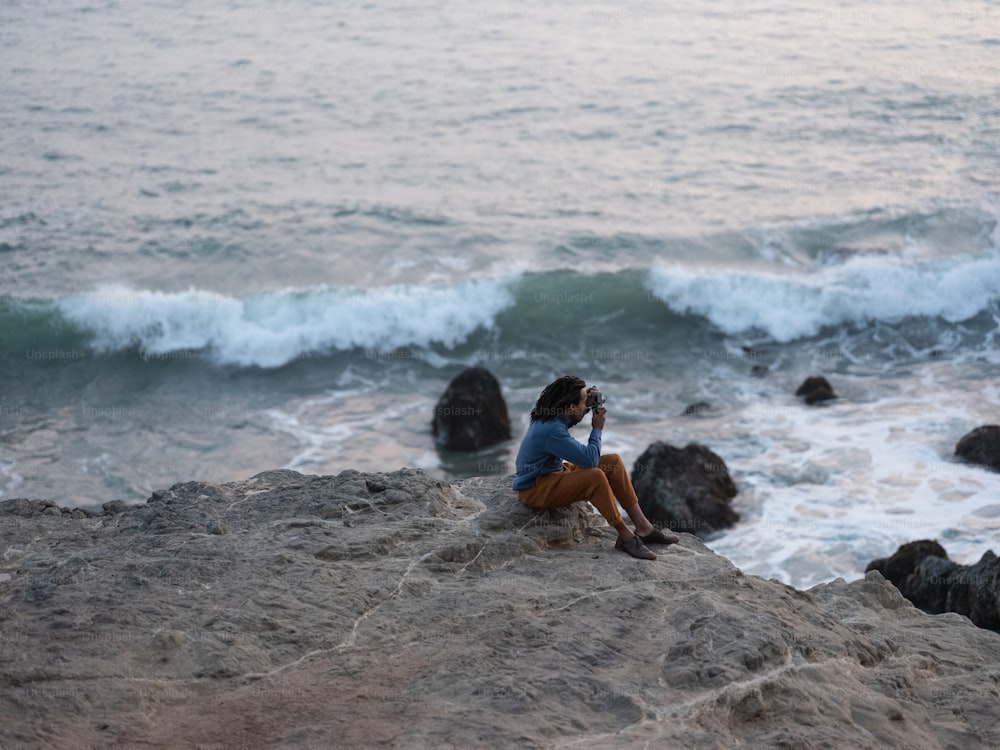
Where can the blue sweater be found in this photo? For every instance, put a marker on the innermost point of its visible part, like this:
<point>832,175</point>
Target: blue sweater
<point>546,445</point>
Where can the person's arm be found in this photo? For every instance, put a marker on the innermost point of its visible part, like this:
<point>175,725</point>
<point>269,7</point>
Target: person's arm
<point>560,443</point>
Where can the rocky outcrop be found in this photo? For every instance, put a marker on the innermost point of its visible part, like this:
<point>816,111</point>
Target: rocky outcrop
<point>904,561</point>
<point>981,446</point>
<point>396,610</point>
<point>471,413</point>
<point>815,390</point>
<point>686,489</point>
<point>924,575</point>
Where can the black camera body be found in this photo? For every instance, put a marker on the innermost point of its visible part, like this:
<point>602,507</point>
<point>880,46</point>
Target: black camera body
<point>595,399</point>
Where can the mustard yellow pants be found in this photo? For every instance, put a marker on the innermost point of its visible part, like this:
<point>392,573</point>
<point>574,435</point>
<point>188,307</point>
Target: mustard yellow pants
<point>599,486</point>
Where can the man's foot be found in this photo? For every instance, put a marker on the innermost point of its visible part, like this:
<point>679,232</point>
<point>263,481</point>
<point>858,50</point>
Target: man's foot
<point>636,548</point>
<point>656,536</point>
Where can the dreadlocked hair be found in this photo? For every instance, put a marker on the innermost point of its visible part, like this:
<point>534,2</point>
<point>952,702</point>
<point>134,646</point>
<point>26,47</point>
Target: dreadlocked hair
<point>556,398</point>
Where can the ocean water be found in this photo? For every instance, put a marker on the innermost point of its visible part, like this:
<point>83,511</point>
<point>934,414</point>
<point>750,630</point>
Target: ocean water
<point>235,237</point>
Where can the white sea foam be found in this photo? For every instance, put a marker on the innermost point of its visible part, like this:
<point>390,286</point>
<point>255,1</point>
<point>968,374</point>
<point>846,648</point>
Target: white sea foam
<point>273,328</point>
<point>831,489</point>
<point>793,305</point>
<point>356,427</point>
<point>10,478</point>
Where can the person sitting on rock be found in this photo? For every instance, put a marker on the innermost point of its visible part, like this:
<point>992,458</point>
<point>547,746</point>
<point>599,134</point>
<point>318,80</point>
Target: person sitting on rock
<point>554,470</point>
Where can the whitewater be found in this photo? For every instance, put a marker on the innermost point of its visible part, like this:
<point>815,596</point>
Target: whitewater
<point>272,329</point>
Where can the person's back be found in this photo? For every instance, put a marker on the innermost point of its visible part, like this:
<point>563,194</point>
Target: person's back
<point>546,445</point>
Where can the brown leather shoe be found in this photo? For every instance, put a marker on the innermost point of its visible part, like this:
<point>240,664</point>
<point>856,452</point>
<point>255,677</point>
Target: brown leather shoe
<point>657,536</point>
<point>636,548</point>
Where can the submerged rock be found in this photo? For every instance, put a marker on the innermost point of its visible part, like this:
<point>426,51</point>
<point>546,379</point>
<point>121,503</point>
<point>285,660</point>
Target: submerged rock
<point>685,489</point>
<point>830,256</point>
<point>981,446</point>
<point>471,413</point>
<point>697,409</point>
<point>448,615</point>
<point>924,575</point>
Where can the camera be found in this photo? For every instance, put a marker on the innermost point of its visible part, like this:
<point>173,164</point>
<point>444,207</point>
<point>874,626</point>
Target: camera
<point>595,399</point>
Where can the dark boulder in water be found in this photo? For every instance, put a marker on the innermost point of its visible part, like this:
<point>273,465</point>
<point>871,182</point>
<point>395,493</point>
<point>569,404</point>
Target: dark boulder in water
<point>815,390</point>
<point>923,574</point>
<point>686,489</point>
<point>981,446</point>
<point>904,560</point>
<point>471,413</point>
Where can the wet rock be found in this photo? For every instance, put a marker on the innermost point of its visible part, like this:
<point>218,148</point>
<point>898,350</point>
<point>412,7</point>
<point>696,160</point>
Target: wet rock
<point>471,413</point>
<point>816,390</point>
<point>904,561</point>
<point>763,359</point>
<point>686,489</point>
<point>751,352</point>
<point>981,446</point>
<point>697,409</point>
<point>924,575</point>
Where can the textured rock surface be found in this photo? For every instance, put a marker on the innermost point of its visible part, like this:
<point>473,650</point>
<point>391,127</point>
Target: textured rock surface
<point>981,446</point>
<point>904,561</point>
<point>396,610</point>
<point>471,413</point>
<point>924,575</point>
<point>687,489</point>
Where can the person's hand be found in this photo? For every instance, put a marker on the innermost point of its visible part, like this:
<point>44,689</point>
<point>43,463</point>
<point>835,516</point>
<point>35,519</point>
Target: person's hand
<point>597,421</point>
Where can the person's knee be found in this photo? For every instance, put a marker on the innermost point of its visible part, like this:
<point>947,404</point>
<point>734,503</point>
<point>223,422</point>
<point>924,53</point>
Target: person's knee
<point>612,462</point>
<point>595,474</point>
<point>594,482</point>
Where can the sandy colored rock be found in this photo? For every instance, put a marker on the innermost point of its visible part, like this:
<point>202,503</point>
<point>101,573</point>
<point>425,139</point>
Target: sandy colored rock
<point>396,610</point>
